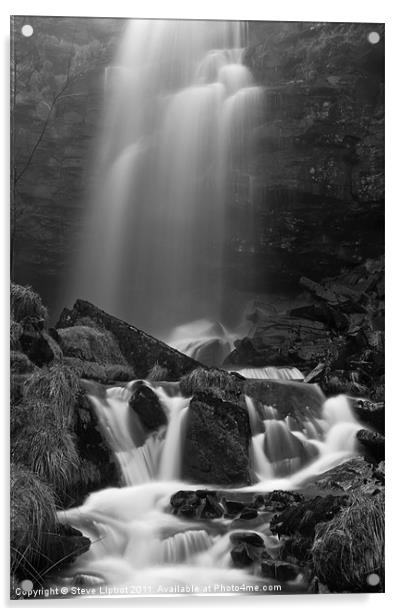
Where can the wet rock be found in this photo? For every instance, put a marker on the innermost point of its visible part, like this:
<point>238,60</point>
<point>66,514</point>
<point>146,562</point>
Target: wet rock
<point>279,570</point>
<point>372,444</point>
<point>37,344</point>
<point>216,445</point>
<point>240,556</point>
<point>233,508</point>
<point>278,500</point>
<point>145,403</point>
<point>201,504</point>
<point>354,474</point>
<point>98,460</point>
<point>303,517</point>
<point>247,537</point>
<point>249,514</point>
<point>139,349</point>
<point>62,547</point>
<point>369,413</point>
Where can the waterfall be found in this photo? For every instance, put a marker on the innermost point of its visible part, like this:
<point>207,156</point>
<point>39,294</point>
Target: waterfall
<point>179,112</point>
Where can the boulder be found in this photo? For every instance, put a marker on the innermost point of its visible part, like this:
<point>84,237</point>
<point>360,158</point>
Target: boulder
<point>37,344</point>
<point>146,405</point>
<point>354,474</point>
<point>372,444</point>
<point>140,350</point>
<point>279,570</point>
<point>369,413</point>
<point>216,445</point>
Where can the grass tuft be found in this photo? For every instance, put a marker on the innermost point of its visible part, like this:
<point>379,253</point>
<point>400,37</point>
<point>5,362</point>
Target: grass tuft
<point>58,385</point>
<point>15,335</point>
<point>157,373</point>
<point>20,363</point>
<point>25,302</point>
<point>351,546</point>
<point>33,510</point>
<point>202,378</point>
<point>49,453</point>
<point>90,344</point>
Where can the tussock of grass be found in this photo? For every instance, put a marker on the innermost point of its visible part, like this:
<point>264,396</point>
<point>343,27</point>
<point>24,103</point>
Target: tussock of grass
<point>116,372</point>
<point>15,335</point>
<point>33,510</point>
<point>351,546</point>
<point>26,303</point>
<point>57,385</point>
<point>157,373</point>
<point>20,363</point>
<point>97,372</point>
<point>90,344</point>
<point>49,453</point>
<point>201,379</point>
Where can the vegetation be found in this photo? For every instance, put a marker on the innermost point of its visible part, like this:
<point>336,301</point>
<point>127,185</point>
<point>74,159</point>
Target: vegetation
<point>20,363</point>
<point>90,344</point>
<point>25,302</point>
<point>15,335</point>
<point>157,373</point>
<point>202,378</point>
<point>351,546</point>
<point>57,384</point>
<point>33,512</point>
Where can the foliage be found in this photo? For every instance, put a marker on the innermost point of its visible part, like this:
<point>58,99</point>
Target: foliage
<point>50,453</point>
<point>15,334</point>
<point>20,363</point>
<point>90,344</point>
<point>25,303</point>
<point>58,385</point>
<point>157,373</point>
<point>202,378</point>
<point>351,546</point>
<point>33,510</point>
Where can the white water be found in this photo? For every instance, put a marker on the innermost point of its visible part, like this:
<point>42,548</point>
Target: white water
<point>135,538</point>
<point>179,111</point>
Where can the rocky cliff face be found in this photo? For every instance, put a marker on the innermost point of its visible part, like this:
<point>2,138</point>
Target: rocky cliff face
<point>315,186</point>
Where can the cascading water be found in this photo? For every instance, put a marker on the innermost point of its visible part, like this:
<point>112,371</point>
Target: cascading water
<point>179,111</point>
<point>136,540</point>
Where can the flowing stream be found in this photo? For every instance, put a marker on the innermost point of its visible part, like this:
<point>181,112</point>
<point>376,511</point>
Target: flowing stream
<point>137,541</point>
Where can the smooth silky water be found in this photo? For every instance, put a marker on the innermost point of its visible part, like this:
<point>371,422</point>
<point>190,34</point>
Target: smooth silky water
<point>137,541</point>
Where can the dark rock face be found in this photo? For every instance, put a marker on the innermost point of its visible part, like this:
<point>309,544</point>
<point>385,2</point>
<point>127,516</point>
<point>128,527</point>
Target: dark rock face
<point>216,448</point>
<point>37,344</point>
<point>317,173</point>
<point>352,475</point>
<point>279,570</point>
<point>139,349</point>
<point>303,517</point>
<point>147,407</point>
<point>100,467</point>
<point>372,443</point>
<point>299,400</point>
<point>200,505</point>
<point>369,413</point>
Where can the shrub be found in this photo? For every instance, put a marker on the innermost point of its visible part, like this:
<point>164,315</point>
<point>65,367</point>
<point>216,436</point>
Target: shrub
<point>202,378</point>
<point>26,303</point>
<point>351,546</point>
<point>57,384</point>
<point>20,363</point>
<point>15,335</point>
<point>50,453</point>
<point>157,373</point>
<point>33,510</point>
<point>90,344</point>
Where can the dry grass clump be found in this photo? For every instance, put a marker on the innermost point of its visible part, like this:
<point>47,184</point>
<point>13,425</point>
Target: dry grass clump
<point>90,344</point>
<point>26,303</point>
<point>351,546</point>
<point>157,373</point>
<point>20,363</point>
<point>201,379</point>
<point>116,372</point>
<point>15,335</point>
<point>50,453</point>
<point>58,385</point>
<point>33,511</point>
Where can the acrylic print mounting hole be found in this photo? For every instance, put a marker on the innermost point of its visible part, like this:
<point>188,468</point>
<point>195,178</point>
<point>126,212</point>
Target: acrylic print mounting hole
<point>27,30</point>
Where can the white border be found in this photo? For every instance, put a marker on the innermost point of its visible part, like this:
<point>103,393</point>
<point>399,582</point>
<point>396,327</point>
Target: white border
<point>285,10</point>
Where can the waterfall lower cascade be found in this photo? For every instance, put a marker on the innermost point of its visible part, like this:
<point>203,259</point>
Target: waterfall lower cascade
<point>138,543</point>
<point>179,117</point>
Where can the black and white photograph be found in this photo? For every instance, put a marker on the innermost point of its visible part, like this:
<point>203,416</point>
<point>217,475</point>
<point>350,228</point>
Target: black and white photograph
<point>197,316</point>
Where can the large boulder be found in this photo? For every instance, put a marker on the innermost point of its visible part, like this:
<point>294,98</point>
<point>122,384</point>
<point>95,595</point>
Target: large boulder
<point>216,446</point>
<point>372,444</point>
<point>146,405</point>
<point>140,350</point>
